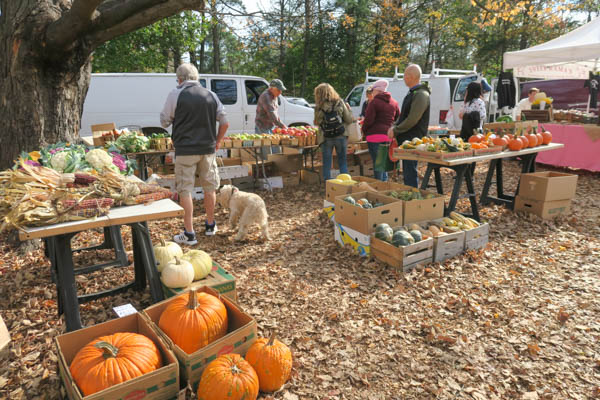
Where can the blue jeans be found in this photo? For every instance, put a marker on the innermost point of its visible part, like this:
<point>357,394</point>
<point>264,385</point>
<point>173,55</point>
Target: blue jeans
<point>340,143</point>
<point>258,130</point>
<point>373,148</point>
<point>409,172</point>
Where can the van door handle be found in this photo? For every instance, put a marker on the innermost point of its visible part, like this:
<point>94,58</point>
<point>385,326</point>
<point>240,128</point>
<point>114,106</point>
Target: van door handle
<point>246,117</point>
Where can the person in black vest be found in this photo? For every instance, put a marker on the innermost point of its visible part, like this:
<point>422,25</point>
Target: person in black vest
<point>414,118</point>
<point>194,112</point>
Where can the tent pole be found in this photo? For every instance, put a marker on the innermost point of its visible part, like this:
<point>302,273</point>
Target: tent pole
<point>589,95</point>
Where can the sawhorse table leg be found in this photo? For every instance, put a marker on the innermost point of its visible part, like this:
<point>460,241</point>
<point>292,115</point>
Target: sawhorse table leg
<point>144,261</point>
<point>495,167</point>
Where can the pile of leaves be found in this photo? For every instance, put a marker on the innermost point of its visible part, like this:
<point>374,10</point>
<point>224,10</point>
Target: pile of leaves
<point>516,320</point>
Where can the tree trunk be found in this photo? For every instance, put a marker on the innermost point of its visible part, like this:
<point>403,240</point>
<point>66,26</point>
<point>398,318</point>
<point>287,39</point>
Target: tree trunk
<point>201,61</point>
<point>321,41</point>
<point>281,38</point>
<point>41,98</point>
<point>307,28</point>
<point>215,38</point>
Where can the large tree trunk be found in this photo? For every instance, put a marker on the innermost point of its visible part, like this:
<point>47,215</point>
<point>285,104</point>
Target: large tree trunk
<point>45,48</point>
<point>307,28</point>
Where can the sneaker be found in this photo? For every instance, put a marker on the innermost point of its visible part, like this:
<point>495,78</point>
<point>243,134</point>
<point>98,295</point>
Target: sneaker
<point>186,238</point>
<point>210,229</point>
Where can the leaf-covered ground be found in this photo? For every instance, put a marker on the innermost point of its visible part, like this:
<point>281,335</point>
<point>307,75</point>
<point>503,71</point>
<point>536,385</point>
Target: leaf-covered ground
<point>517,320</point>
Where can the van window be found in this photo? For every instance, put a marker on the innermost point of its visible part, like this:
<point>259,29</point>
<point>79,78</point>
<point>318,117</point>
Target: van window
<point>355,96</point>
<point>202,82</point>
<point>253,90</point>
<point>462,87</point>
<point>225,89</point>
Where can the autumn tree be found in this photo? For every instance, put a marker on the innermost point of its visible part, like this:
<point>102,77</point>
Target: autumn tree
<point>46,47</point>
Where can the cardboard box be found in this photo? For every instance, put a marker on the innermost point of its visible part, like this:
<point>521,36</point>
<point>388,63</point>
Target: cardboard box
<point>160,384</point>
<point>241,334</point>
<point>477,238</point>
<point>346,236</point>
<point>245,184</point>
<point>252,170</point>
<point>365,220</point>
<point>329,209</point>
<point>367,170</point>
<point>421,210</point>
<point>100,129</point>
<point>286,162</point>
<point>363,157</point>
<point>405,257</point>
<point>354,170</point>
<point>275,181</point>
<point>218,279</point>
<point>548,186</point>
<point>4,339</point>
<point>227,162</point>
<point>333,190</point>
<point>544,209</point>
<point>310,177</point>
<point>197,193</point>
<point>291,179</point>
<point>230,172</point>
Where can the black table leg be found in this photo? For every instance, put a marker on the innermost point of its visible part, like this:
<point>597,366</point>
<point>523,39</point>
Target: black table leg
<point>144,261</point>
<point>438,181</point>
<point>141,159</point>
<point>67,288</point>
<point>485,199</point>
<point>425,183</point>
<point>460,173</point>
<point>471,192</point>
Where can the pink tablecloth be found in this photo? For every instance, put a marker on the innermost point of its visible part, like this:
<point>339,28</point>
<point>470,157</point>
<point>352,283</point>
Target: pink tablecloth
<point>579,151</point>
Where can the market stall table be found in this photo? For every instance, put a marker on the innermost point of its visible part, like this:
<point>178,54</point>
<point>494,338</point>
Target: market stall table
<point>582,146</point>
<point>142,160</point>
<point>61,254</point>
<point>462,167</point>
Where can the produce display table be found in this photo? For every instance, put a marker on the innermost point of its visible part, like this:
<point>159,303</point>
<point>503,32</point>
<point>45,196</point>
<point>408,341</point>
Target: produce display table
<point>61,254</point>
<point>463,167</point>
<point>310,151</point>
<point>582,146</point>
<point>259,161</point>
<point>142,160</point>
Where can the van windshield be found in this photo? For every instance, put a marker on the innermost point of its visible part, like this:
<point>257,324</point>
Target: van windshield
<point>462,87</point>
<point>355,96</point>
<point>253,90</point>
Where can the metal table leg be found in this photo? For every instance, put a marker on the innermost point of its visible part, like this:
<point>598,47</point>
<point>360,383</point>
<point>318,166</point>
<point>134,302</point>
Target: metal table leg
<point>144,261</point>
<point>67,288</point>
<point>495,167</point>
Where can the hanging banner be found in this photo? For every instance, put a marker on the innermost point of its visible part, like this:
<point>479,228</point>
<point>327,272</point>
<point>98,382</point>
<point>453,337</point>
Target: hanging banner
<point>564,71</point>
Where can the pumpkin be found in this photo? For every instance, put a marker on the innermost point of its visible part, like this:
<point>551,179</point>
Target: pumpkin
<point>194,321</point>
<point>165,252</point>
<point>228,377</point>
<point>500,141</point>
<point>178,273</point>
<point>113,359</point>
<point>476,138</point>
<point>540,139</point>
<point>201,262</point>
<point>272,361</point>
<point>532,140</point>
<point>524,140</point>
<point>547,137</point>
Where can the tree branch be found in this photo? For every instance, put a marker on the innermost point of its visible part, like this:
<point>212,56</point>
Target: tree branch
<point>118,17</point>
<point>64,31</point>
<point>478,3</point>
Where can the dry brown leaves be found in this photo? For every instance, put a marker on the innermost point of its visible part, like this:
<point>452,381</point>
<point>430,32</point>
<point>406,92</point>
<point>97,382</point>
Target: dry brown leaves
<point>518,319</point>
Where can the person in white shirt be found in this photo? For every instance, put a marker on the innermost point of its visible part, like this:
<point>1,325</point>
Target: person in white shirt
<point>526,103</point>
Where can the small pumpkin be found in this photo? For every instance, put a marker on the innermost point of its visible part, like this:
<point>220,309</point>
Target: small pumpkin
<point>113,359</point>
<point>194,321</point>
<point>272,361</point>
<point>547,137</point>
<point>165,252</point>
<point>228,377</point>
<point>201,261</point>
<point>515,144</point>
<point>178,273</point>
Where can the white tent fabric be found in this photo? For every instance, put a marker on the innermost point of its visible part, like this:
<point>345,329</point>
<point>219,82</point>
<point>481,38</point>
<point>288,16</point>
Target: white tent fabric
<point>570,56</point>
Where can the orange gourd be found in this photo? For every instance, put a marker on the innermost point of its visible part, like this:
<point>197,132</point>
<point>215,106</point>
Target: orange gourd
<point>515,144</point>
<point>272,361</point>
<point>194,321</point>
<point>229,377</point>
<point>113,359</point>
<point>547,137</point>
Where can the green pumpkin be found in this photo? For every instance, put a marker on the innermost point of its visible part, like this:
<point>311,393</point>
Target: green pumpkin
<point>384,233</point>
<point>350,199</point>
<point>416,235</point>
<point>402,238</point>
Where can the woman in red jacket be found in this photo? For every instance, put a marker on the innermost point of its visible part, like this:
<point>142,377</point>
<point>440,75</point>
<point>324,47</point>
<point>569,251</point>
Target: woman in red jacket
<point>381,113</point>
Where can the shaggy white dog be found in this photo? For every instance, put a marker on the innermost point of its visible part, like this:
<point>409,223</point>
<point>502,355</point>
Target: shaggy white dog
<point>247,208</point>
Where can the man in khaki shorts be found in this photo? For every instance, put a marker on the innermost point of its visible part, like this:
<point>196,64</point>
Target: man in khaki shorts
<point>194,112</point>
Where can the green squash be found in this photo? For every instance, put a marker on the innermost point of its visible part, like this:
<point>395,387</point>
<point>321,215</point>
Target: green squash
<point>399,228</point>
<point>384,232</point>
<point>417,235</point>
<point>402,238</point>
<point>350,199</point>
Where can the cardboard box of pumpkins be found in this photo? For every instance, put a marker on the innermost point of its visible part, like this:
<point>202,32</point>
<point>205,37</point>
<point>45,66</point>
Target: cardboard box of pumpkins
<point>120,359</point>
<point>199,326</point>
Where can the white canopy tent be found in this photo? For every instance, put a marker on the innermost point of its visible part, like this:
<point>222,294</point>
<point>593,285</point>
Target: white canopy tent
<point>571,56</point>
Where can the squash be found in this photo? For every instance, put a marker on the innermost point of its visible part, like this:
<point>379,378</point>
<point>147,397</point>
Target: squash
<point>384,232</point>
<point>228,377</point>
<point>113,359</point>
<point>165,252</point>
<point>416,234</point>
<point>195,320</point>
<point>272,361</point>
<point>402,238</point>
<point>350,199</point>
<point>201,262</point>
<point>177,273</point>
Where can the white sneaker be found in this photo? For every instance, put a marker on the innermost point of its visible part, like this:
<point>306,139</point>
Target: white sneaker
<point>182,238</point>
<point>210,230</point>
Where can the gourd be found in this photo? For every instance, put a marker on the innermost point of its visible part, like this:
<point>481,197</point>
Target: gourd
<point>402,238</point>
<point>113,359</point>
<point>194,321</point>
<point>201,262</point>
<point>165,252</point>
<point>416,234</point>
<point>228,377</point>
<point>384,232</point>
<point>272,361</point>
<point>177,273</point>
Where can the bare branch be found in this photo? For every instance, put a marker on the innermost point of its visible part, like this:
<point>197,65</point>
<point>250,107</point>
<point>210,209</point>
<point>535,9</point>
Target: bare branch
<point>478,3</point>
<point>65,30</point>
<point>119,17</point>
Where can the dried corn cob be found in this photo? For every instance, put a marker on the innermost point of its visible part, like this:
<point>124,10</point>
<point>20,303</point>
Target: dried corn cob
<point>148,197</point>
<point>84,178</point>
<point>74,215</point>
<point>148,188</point>
<point>103,202</point>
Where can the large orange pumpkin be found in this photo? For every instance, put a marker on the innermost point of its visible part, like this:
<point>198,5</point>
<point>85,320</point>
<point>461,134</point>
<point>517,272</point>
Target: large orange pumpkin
<point>272,361</point>
<point>515,144</point>
<point>194,321</point>
<point>532,140</point>
<point>547,137</point>
<point>228,377</point>
<point>110,360</point>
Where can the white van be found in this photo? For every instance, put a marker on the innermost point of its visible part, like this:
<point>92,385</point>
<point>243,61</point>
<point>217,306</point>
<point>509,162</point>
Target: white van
<point>448,87</point>
<point>136,100</point>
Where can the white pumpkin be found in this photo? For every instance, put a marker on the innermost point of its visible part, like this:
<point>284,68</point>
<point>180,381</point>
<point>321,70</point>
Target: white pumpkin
<point>165,252</point>
<point>177,273</point>
<point>201,262</point>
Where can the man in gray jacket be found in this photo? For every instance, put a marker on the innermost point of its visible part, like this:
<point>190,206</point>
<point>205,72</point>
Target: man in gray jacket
<point>194,112</point>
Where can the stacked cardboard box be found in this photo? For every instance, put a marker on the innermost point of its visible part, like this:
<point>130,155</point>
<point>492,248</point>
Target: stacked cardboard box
<point>546,194</point>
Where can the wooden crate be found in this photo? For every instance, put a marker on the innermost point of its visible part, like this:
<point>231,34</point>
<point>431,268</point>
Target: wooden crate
<point>448,246</point>
<point>405,257</point>
<point>477,238</point>
<point>539,115</point>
